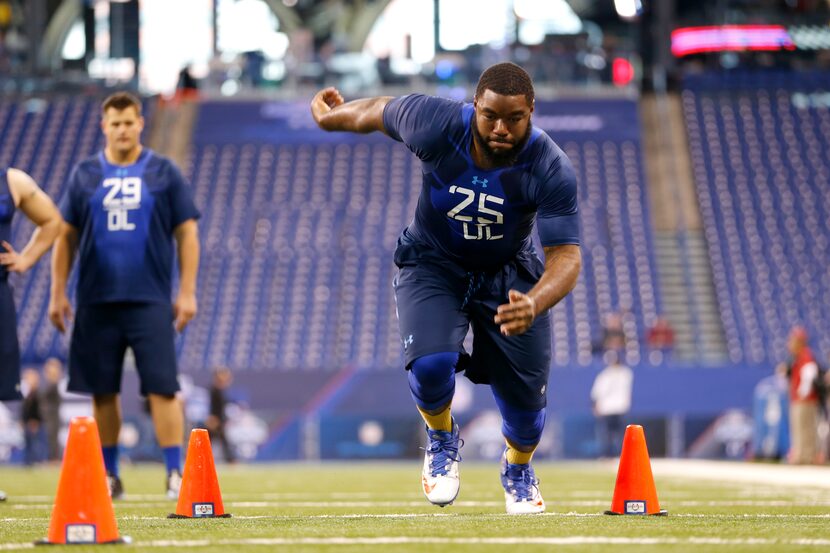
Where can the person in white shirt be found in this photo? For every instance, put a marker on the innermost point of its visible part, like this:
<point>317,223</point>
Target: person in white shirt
<point>611,400</point>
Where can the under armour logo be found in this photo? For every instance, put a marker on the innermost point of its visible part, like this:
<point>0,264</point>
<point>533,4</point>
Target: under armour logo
<point>408,341</point>
<point>482,182</point>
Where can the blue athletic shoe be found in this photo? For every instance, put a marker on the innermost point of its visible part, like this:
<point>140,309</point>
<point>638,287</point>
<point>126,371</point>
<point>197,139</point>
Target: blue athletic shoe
<point>440,475</point>
<point>521,488</point>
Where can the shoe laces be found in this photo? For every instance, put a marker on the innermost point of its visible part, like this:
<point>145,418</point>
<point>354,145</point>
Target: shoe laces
<point>520,481</point>
<point>443,449</point>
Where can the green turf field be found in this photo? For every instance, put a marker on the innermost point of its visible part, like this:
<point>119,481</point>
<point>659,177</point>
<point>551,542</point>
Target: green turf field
<point>379,507</point>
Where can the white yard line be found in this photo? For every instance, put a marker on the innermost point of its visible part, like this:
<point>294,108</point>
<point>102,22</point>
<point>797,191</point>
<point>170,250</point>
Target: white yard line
<point>570,514</point>
<point>668,503</point>
<point>750,515</point>
<point>569,540</point>
<point>418,540</point>
<point>803,477</point>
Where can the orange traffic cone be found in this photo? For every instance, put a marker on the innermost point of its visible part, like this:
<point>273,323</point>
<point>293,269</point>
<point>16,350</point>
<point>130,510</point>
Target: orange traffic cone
<point>83,508</point>
<point>199,496</point>
<point>634,493</point>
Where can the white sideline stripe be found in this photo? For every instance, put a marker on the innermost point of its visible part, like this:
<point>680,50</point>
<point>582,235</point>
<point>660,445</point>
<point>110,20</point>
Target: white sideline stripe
<point>606,503</point>
<point>450,515</point>
<point>732,472</point>
<point>603,496</point>
<point>289,517</point>
<point>748,515</point>
<point>669,504</point>
<point>398,540</point>
<point>343,496</point>
<point>572,540</point>
<point>137,497</point>
<point>351,504</point>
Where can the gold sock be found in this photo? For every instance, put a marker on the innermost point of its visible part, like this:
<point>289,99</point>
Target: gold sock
<point>516,457</point>
<point>441,421</point>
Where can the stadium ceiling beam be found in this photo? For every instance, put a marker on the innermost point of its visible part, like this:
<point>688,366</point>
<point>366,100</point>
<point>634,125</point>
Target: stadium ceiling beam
<point>290,20</point>
<point>49,53</point>
<point>362,18</point>
<point>353,20</point>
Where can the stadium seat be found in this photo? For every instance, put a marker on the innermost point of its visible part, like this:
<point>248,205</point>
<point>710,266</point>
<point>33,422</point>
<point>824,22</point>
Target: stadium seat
<point>761,180</point>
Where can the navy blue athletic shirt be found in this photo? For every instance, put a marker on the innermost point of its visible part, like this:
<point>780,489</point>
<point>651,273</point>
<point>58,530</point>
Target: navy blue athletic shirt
<point>475,217</point>
<point>6,214</point>
<point>125,216</point>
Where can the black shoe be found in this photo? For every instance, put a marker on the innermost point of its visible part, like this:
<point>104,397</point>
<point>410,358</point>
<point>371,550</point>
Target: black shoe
<point>115,486</point>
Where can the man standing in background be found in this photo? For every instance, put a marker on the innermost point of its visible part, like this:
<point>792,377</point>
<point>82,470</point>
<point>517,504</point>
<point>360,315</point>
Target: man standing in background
<point>802,372</point>
<point>217,419</point>
<point>123,208</point>
<point>50,407</point>
<point>611,400</point>
<point>31,417</point>
<point>19,191</point>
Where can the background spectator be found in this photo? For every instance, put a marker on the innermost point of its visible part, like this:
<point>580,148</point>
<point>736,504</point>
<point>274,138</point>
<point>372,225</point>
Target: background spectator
<point>222,378</point>
<point>32,418</point>
<point>613,336</point>
<point>802,371</point>
<point>50,400</point>
<point>611,400</point>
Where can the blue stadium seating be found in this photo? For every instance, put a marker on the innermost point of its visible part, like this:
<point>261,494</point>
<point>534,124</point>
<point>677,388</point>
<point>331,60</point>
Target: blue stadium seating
<point>297,254</point>
<point>759,144</point>
<point>45,139</point>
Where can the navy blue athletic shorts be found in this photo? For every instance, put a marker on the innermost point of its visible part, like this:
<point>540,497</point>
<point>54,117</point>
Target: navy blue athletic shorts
<point>438,301</point>
<point>9,347</point>
<point>100,338</point>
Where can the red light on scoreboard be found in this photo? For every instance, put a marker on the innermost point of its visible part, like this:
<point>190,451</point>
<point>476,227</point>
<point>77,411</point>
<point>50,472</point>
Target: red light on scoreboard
<point>695,40</point>
<point>622,72</point>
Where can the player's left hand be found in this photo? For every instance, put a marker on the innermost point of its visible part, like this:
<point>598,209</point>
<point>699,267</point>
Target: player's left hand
<point>184,309</point>
<point>516,317</point>
<point>12,260</point>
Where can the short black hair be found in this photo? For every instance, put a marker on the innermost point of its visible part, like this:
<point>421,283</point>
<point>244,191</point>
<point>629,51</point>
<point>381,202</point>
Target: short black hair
<point>121,101</point>
<point>507,79</point>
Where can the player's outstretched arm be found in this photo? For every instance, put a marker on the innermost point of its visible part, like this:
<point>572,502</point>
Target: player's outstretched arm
<point>41,210</point>
<point>562,266</point>
<point>60,311</point>
<point>332,113</point>
<point>187,243</point>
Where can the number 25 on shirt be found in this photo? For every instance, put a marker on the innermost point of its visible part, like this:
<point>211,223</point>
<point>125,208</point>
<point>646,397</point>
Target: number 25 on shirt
<point>482,224</point>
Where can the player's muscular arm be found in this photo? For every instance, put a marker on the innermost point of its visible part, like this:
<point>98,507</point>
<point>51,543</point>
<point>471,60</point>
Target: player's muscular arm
<point>562,266</point>
<point>64,252</point>
<point>332,113</point>
<point>40,209</point>
<point>187,242</point>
